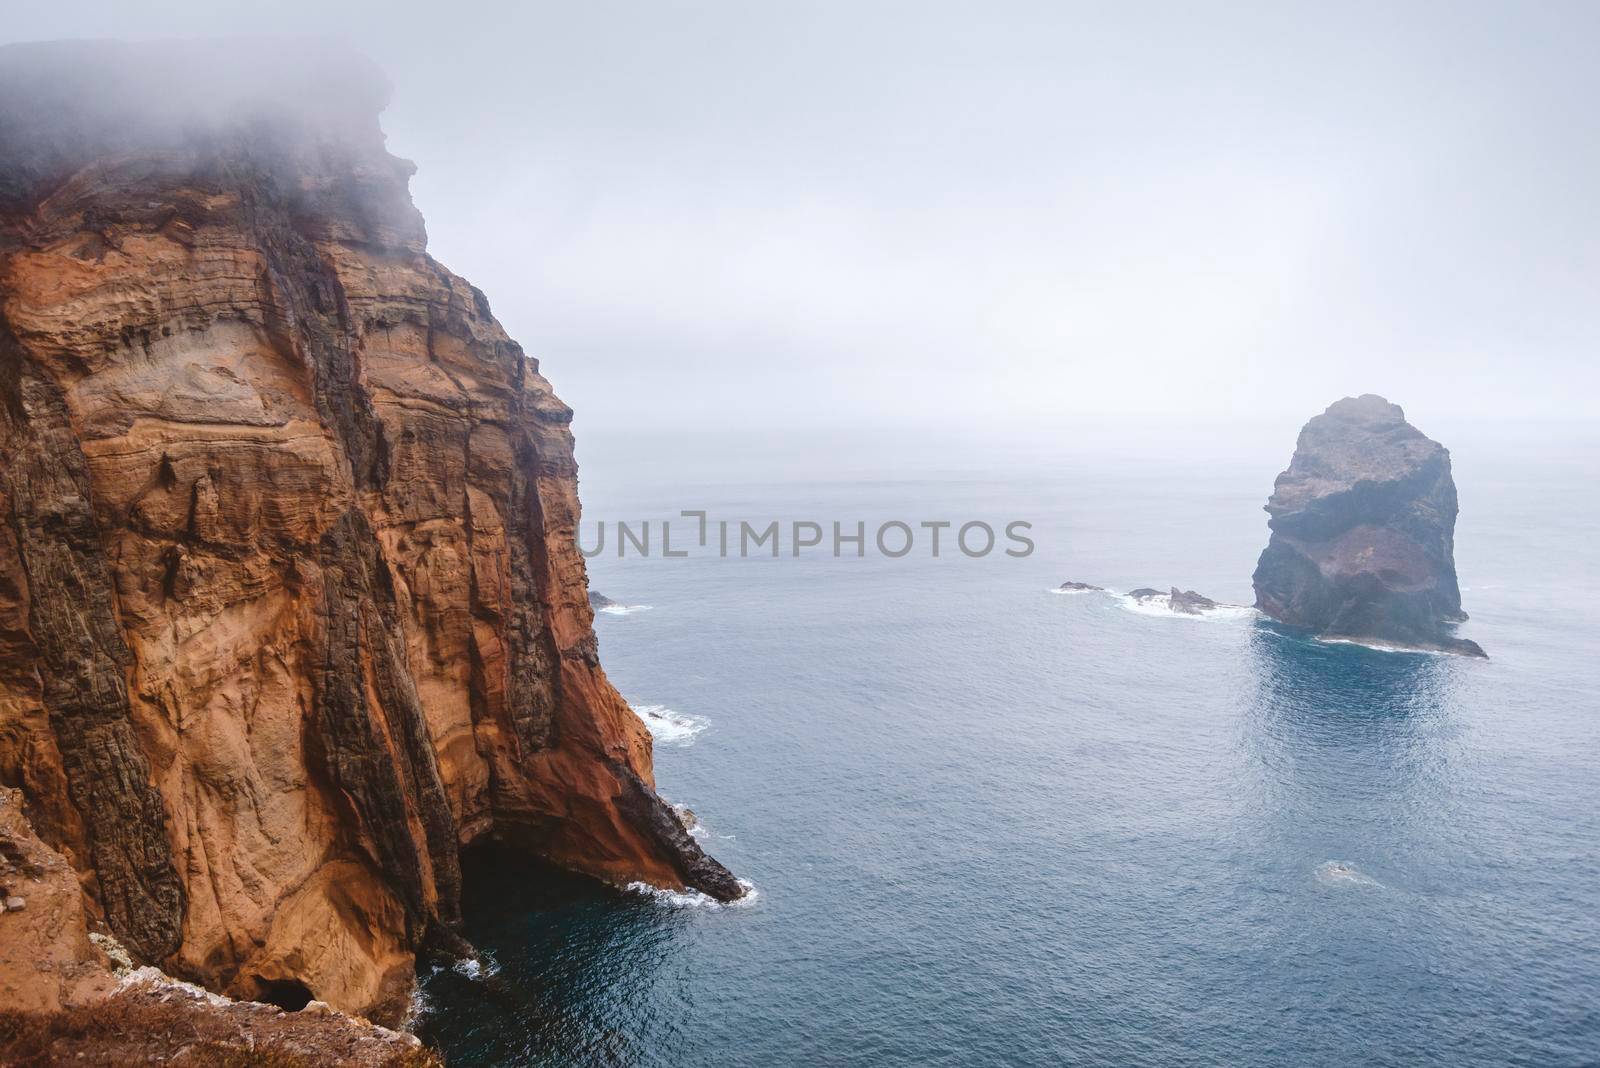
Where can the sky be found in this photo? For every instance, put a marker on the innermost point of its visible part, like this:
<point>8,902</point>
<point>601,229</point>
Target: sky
<point>720,215</point>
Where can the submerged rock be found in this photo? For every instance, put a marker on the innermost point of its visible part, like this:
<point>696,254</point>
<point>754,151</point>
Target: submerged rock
<point>1145,593</point>
<point>1363,533</point>
<point>1081,586</point>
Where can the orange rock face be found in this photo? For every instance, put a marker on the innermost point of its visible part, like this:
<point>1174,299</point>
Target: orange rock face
<point>47,959</point>
<point>291,607</point>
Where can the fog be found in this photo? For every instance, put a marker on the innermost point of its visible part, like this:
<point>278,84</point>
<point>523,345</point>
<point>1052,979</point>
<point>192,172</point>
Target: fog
<point>845,214</point>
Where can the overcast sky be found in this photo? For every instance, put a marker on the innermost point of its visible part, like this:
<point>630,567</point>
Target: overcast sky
<point>728,213</point>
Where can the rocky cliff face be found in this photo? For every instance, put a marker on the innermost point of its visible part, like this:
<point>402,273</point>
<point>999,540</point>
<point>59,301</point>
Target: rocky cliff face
<point>291,609</point>
<point>1363,533</point>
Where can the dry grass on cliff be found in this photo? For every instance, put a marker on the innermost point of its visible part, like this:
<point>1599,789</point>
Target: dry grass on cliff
<point>139,1029</point>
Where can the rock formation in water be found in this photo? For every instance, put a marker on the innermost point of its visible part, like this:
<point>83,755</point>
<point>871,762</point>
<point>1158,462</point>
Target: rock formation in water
<point>1184,602</point>
<point>1363,533</point>
<point>291,606</point>
<point>1189,602</point>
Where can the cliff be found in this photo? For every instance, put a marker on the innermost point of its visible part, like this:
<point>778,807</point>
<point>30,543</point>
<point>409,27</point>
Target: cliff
<point>1363,533</point>
<point>291,607</point>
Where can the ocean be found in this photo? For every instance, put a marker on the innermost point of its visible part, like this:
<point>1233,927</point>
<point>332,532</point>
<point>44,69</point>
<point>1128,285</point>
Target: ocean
<point>992,824</point>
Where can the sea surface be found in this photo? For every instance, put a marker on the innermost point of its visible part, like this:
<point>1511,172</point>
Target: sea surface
<point>992,824</point>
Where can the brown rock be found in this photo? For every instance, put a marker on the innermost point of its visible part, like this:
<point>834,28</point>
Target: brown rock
<point>47,960</point>
<point>153,1020</point>
<point>291,606</point>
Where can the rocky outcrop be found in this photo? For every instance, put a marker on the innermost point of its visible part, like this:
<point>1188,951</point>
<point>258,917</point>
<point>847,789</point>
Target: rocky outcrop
<point>1363,533</point>
<point>291,605</point>
<point>68,996</point>
<point>1189,602</point>
<point>150,1019</point>
<point>47,958</point>
<point>1080,587</point>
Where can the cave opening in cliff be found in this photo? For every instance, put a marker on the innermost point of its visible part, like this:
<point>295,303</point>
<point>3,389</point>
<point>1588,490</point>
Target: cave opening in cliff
<point>290,995</point>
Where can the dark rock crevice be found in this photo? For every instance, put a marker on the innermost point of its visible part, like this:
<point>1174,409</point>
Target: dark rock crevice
<point>353,751</point>
<point>696,867</point>
<point>533,689</point>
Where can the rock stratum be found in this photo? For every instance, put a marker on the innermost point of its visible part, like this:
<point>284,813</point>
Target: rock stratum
<point>291,605</point>
<point>1363,533</point>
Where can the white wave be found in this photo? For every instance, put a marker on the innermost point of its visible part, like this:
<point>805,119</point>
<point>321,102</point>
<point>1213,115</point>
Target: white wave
<point>700,830</point>
<point>624,609</point>
<point>694,899</point>
<point>669,727</point>
<point>1161,605</point>
<point>479,967</point>
<point>418,1006</point>
<point>1230,611</point>
<point>1341,873</point>
<point>1379,647</point>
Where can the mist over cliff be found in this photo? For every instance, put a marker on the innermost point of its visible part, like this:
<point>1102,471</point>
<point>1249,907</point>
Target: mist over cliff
<point>69,102</point>
<point>1038,210</point>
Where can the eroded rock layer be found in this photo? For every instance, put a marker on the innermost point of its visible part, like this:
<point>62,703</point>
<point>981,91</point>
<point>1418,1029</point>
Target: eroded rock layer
<point>1363,533</point>
<point>291,607</point>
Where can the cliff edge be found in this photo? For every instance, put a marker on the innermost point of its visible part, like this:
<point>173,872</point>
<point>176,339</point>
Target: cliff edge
<point>1363,533</point>
<point>291,607</point>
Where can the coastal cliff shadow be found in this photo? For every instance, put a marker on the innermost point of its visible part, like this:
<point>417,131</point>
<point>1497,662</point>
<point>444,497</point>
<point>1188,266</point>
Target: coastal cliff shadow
<point>559,955</point>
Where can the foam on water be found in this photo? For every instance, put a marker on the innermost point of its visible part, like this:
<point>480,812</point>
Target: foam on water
<point>670,727</point>
<point>418,1005</point>
<point>624,609</point>
<point>1380,647</point>
<point>1341,873</point>
<point>694,899</point>
<point>479,967</point>
<point>1161,605</point>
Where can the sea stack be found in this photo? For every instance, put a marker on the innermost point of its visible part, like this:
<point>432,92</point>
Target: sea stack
<point>292,611</point>
<point>1363,533</point>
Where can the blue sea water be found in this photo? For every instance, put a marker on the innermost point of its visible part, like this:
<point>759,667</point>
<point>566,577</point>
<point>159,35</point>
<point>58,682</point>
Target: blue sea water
<point>989,824</point>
